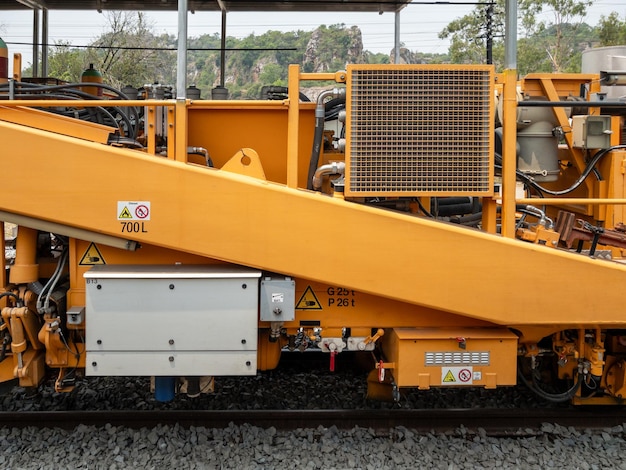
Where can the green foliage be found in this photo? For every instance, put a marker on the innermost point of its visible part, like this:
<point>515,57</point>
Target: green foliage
<point>65,63</point>
<point>612,30</point>
<point>545,46</point>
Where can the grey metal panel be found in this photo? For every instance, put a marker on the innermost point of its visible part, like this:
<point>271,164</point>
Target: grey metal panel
<point>203,313</point>
<point>179,363</point>
<point>277,299</point>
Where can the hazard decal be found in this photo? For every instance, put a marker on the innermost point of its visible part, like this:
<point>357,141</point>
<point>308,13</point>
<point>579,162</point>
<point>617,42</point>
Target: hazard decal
<point>133,210</point>
<point>125,214</point>
<point>308,301</point>
<point>458,375</point>
<point>92,256</point>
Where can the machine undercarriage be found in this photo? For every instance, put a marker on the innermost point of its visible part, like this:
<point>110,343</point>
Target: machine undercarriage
<point>401,215</point>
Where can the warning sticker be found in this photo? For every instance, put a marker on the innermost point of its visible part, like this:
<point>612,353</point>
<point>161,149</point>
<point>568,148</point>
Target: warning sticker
<point>133,210</point>
<point>308,301</point>
<point>457,375</point>
<point>92,256</point>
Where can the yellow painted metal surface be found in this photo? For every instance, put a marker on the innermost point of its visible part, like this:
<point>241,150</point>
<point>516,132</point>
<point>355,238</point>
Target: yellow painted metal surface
<point>224,128</point>
<point>56,123</point>
<point>452,357</point>
<point>243,220</point>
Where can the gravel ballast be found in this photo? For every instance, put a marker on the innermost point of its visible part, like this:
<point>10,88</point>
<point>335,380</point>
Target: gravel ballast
<point>249,447</point>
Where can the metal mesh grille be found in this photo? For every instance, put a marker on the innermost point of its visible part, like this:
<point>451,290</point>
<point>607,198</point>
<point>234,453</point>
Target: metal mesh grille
<point>419,129</point>
<point>450,358</point>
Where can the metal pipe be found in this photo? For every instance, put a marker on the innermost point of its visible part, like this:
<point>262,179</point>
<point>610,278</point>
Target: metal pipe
<point>181,70</point>
<point>35,42</point>
<point>73,232</point>
<point>396,38</point>
<point>334,168</point>
<point>223,51</point>
<point>44,43</point>
<point>573,104</point>
<point>510,35</point>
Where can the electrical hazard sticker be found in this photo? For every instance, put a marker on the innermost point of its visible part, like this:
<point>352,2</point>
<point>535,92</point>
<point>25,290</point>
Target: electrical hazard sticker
<point>457,375</point>
<point>133,210</point>
<point>308,301</point>
<point>92,256</point>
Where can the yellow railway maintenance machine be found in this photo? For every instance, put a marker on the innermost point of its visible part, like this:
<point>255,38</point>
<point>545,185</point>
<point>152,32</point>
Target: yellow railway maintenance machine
<point>187,239</point>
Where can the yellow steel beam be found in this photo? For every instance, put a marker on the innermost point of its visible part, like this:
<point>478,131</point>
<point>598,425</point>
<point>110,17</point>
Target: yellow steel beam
<point>266,225</point>
<point>56,123</point>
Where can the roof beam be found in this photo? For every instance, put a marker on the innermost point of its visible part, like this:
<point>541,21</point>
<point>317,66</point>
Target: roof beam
<point>34,4</point>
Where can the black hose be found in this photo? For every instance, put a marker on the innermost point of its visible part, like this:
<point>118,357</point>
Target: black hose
<point>318,137</point>
<point>275,92</point>
<point>586,172</point>
<point>6,294</point>
<point>551,397</point>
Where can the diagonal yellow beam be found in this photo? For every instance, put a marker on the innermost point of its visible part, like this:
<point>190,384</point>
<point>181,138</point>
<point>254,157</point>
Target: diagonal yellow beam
<point>269,226</point>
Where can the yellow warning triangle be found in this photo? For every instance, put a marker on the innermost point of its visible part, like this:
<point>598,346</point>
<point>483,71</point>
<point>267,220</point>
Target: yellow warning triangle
<point>125,214</point>
<point>449,377</point>
<point>92,256</point>
<point>308,301</point>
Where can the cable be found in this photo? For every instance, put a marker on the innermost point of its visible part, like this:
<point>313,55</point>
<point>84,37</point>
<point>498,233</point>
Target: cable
<point>588,169</point>
<point>551,397</point>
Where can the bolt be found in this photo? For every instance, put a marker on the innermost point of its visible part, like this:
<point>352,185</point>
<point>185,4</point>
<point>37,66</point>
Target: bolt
<point>171,341</point>
<point>248,363</point>
<point>244,286</point>
<point>94,364</point>
<point>99,341</point>
<point>98,287</point>
<point>171,286</point>
<point>171,358</point>
<point>243,341</point>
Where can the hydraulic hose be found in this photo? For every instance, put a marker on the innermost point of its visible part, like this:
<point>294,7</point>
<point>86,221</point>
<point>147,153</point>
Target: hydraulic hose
<point>318,137</point>
<point>551,397</point>
<point>586,172</point>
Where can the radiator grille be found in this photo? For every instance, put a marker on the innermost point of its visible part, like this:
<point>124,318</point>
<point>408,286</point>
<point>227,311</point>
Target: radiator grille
<point>455,358</point>
<point>422,129</point>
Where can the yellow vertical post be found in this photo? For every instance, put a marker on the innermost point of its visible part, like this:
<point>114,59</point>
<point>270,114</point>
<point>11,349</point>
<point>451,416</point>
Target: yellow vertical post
<point>490,214</point>
<point>181,130</point>
<point>3,273</point>
<point>25,268</point>
<point>509,157</point>
<point>293,117</point>
<point>17,67</point>
<point>171,133</point>
<point>150,118</point>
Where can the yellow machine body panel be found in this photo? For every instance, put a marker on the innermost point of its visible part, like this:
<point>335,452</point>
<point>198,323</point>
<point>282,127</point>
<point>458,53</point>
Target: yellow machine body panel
<point>269,226</point>
<point>452,357</point>
<point>349,250</point>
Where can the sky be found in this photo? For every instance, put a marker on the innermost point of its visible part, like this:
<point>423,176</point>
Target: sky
<point>420,25</point>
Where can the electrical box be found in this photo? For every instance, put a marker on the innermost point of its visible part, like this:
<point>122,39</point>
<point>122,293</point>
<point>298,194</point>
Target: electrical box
<point>591,132</point>
<point>175,320</point>
<point>278,299</point>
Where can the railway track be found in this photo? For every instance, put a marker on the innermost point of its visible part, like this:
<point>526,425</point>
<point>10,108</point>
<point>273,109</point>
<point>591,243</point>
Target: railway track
<point>494,422</point>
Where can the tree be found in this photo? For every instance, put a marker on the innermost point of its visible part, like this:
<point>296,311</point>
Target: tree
<point>547,45</point>
<point>557,36</point>
<point>612,30</point>
<point>469,34</point>
<point>129,54</point>
<point>65,62</point>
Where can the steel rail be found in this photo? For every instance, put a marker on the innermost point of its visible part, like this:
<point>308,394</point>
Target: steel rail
<point>494,422</point>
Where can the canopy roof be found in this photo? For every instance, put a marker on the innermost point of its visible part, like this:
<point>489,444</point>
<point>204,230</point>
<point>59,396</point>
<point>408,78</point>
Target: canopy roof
<point>210,5</point>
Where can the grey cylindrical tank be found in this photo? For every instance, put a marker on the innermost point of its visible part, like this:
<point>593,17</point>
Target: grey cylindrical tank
<point>193,93</point>
<point>219,93</point>
<point>603,59</point>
